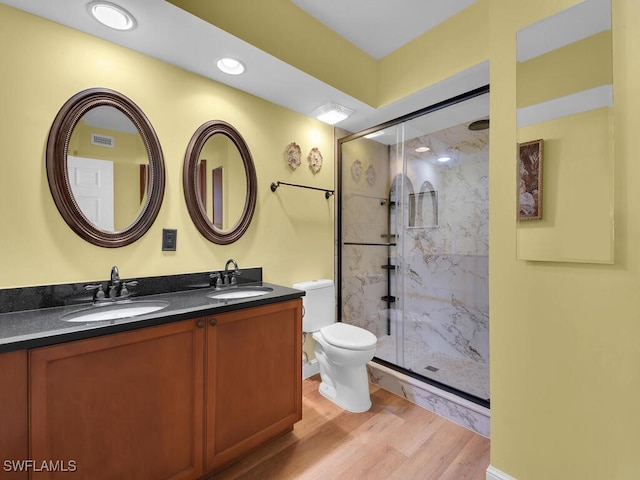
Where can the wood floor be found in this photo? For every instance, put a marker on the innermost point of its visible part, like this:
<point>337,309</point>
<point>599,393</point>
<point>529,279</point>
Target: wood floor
<point>395,440</point>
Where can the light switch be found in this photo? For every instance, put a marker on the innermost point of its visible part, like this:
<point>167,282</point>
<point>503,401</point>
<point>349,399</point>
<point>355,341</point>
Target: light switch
<point>169,239</point>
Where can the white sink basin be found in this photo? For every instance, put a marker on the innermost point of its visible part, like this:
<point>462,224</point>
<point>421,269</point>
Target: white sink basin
<point>115,311</point>
<point>235,293</point>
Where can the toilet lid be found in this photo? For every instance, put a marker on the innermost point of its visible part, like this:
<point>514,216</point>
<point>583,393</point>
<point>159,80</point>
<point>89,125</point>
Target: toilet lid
<point>348,336</point>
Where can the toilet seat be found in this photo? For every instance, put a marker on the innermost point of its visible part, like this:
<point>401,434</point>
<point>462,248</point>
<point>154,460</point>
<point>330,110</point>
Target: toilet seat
<point>347,336</point>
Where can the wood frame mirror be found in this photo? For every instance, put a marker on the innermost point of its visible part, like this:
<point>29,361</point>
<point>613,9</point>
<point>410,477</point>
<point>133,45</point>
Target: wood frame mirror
<point>60,134</point>
<point>193,179</point>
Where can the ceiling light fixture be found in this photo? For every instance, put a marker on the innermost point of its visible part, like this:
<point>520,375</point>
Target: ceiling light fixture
<point>444,159</point>
<point>332,113</point>
<point>231,66</point>
<point>111,15</point>
<point>375,134</point>
<point>422,149</point>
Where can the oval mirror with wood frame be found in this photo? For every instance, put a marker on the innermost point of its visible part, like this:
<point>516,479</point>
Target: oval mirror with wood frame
<point>105,167</point>
<point>220,184</point>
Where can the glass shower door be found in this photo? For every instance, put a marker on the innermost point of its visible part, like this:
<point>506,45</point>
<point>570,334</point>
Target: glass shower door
<point>413,239</point>
<point>445,244</point>
<point>368,237</point>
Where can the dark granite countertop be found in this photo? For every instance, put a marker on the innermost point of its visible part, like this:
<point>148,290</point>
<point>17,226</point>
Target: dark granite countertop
<point>44,326</point>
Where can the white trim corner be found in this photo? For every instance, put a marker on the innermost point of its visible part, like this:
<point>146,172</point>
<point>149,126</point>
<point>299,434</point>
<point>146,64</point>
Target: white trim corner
<point>494,474</point>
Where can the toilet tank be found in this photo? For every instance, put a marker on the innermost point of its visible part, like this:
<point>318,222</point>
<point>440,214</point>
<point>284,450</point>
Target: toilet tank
<point>319,304</point>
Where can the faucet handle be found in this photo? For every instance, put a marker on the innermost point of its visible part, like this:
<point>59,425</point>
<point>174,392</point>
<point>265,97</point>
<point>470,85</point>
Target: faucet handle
<point>124,292</point>
<point>98,291</point>
<point>215,279</point>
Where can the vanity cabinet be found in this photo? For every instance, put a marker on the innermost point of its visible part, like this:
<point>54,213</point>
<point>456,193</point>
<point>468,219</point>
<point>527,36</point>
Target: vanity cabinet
<point>126,405</point>
<point>174,401</point>
<point>253,378</point>
<point>14,442</point>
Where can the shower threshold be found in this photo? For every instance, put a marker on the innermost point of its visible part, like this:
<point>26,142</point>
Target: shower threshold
<point>439,399</point>
<point>483,402</point>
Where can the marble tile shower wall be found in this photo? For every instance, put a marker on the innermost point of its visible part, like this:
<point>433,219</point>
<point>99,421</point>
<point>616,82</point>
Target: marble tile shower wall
<point>446,268</point>
<point>365,217</point>
<point>442,282</point>
<point>364,281</point>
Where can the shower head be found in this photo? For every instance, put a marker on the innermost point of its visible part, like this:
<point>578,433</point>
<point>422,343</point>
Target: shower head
<point>479,124</point>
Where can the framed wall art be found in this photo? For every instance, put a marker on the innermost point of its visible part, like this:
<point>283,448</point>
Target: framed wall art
<point>530,155</point>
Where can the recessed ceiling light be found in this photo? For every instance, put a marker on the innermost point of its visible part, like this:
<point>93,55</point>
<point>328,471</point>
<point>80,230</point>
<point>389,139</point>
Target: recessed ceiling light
<point>231,66</point>
<point>111,15</point>
<point>444,158</point>
<point>332,113</point>
<point>422,149</point>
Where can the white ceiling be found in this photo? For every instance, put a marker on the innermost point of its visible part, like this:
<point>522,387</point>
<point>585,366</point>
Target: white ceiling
<point>378,27</point>
<point>172,35</point>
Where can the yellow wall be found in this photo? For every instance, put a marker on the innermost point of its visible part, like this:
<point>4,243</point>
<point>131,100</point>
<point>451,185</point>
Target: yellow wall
<point>576,67</point>
<point>448,49</point>
<point>43,64</point>
<point>564,353</point>
<point>564,337</point>
<point>577,191</point>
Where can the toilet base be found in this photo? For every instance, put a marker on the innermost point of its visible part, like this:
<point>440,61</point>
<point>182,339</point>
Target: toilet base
<point>350,392</point>
<point>344,374</point>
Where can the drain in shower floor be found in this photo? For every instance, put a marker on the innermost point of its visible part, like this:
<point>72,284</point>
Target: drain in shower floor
<point>431,368</point>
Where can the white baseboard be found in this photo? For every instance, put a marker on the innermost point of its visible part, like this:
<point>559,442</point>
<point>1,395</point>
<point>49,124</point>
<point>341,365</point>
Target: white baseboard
<point>494,474</point>
<point>309,369</point>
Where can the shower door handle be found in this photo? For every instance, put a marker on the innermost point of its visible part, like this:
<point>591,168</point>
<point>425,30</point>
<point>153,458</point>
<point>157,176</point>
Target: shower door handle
<point>388,298</point>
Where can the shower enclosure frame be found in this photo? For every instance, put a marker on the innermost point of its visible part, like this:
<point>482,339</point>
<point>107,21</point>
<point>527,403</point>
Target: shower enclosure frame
<point>339,164</point>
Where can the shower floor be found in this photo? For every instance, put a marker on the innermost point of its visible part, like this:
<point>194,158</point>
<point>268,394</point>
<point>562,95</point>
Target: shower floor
<point>455,371</point>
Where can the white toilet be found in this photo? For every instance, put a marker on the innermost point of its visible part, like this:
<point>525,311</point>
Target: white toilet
<point>342,350</point>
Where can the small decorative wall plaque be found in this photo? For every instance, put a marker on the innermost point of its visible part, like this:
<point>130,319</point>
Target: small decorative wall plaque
<point>371,175</point>
<point>293,155</point>
<point>315,160</point>
<point>530,180</point>
<point>356,170</point>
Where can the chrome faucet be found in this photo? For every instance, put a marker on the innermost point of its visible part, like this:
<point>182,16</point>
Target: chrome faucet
<point>116,288</point>
<point>114,284</point>
<point>230,276</point>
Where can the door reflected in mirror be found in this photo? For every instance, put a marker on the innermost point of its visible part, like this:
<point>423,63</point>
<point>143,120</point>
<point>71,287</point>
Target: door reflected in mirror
<point>107,164</point>
<point>222,185</point>
<point>219,180</point>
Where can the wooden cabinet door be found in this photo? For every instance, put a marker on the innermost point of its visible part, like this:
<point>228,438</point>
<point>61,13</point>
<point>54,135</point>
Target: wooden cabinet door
<point>127,405</point>
<point>253,378</point>
<point>14,443</point>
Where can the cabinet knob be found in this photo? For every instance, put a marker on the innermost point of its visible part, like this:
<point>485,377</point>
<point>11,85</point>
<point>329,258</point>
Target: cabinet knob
<point>213,322</point>
<point>200,324</point>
